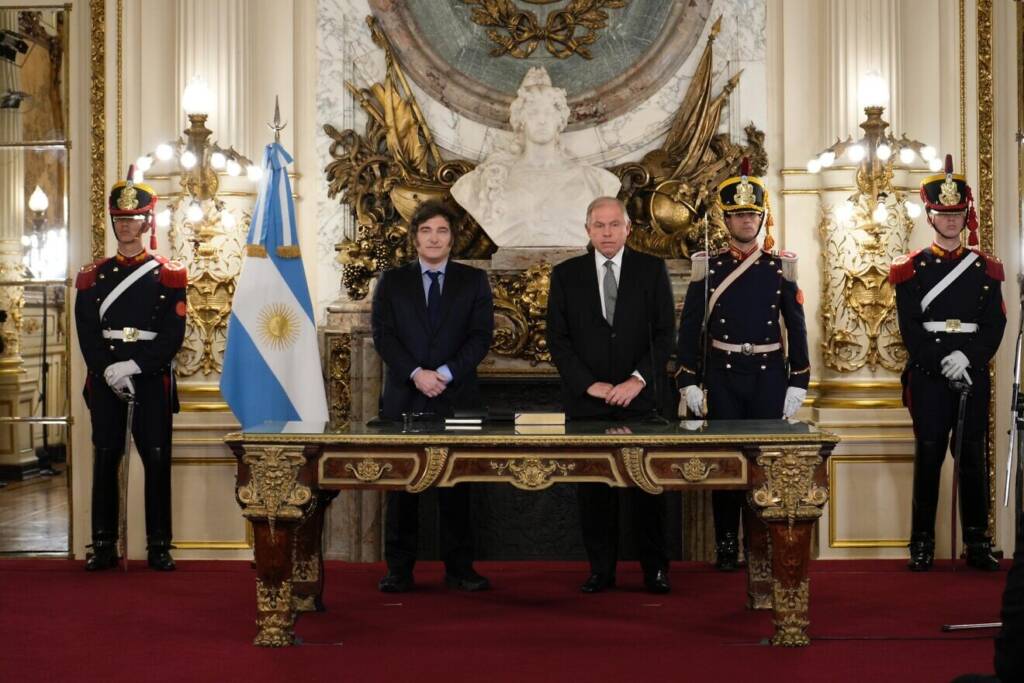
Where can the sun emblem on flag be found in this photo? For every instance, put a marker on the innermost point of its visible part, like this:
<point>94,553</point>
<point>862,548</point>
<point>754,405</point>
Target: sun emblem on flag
<point>279,326</point>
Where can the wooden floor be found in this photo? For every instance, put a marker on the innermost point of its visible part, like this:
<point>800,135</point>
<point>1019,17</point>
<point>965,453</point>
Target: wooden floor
<point>34,515</point>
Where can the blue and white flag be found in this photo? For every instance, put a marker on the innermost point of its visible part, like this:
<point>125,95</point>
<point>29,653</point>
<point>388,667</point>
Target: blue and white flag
<point>272,361</point>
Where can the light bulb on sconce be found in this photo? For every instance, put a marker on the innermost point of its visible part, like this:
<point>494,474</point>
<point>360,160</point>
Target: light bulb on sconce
<point>196,100</point>
<point>913,210</point>
<point>935,165</point>
<point>874,91</point>
<point>227,219</point>
<point>856,153</point>
<point>883,152</point>
<point>38,201</point>
<point>907,155</point>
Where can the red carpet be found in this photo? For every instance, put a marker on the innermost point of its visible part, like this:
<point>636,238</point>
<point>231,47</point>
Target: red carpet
<point>871,621</point>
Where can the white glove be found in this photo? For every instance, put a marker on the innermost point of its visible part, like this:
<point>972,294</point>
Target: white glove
<point>694,398</point>
<point>116,373</point>
<point>954,366</point>
<point>124,387</point>
<point>794,399</point>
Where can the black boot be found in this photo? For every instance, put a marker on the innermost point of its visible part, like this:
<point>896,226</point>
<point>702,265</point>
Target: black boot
<point>922,552</point>
<point>159,558</point>
<point>974,497</point>
<point>928,457</point>
<point>727,553</point>
<point>157,461</point>
<point>103,556</point>
<point>979,550</point>
<point>104,509</point>
<point>726,506</point>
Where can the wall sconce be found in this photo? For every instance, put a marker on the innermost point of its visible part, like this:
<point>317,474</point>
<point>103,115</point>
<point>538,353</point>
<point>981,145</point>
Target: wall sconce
<point>876,154</point>
<point>200,161</point>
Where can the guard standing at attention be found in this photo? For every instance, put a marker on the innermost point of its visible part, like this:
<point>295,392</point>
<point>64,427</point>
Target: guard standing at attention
<point>130,316</point>
<point>730,335</point>
<point>951,315</point>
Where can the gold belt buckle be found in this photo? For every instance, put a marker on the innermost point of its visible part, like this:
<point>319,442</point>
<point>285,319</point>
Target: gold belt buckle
<point>952,325</point>
<point>131,334</point>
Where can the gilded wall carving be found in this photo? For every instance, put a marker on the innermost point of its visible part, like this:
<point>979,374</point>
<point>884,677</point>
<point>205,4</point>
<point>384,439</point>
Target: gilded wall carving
<point>213,255</point>
<point>517,32</point>
<point>858,305</point>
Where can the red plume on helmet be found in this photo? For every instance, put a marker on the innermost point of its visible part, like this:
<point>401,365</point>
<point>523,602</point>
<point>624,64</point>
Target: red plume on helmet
<point>745,167</point>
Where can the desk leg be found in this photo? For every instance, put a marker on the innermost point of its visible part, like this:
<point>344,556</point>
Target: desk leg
<point>759,560</point>
<point>274,498</point>
<point>789,493</point>
<point>791,548</point>
<point>275,613</point>
<point>308,558</point>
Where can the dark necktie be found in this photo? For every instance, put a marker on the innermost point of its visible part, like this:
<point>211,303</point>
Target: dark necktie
<point>434,299</point>
<point>611,292</point>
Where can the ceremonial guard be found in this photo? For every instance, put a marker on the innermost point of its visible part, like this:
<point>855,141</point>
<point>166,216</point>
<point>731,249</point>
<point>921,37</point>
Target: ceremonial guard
<point>130,315</point>
<point>730,337</point>
<point>951,316</point>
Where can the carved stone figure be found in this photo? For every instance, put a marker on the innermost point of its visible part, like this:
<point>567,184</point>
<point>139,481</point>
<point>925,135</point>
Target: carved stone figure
<point>531,193</point>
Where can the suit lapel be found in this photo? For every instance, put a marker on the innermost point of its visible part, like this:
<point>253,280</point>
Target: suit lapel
<point>590,275</point>
<point>415,285</point>
<point>626,279</point>
<point>452,282</point>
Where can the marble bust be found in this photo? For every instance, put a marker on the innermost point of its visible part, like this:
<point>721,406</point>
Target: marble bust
<point>530,193</point>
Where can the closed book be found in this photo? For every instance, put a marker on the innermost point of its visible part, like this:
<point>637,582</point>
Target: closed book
<point>540,419</point>
<point>453,428</point>
<point>463,421</point>
<point>540,429</point>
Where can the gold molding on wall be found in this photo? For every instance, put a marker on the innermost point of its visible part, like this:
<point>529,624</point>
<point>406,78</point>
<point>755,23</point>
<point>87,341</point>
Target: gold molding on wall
<point>98,125</point>
<point>834,542</point>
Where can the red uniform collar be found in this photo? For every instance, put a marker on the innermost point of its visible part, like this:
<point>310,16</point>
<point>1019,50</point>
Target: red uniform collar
<point>123,260</point>
<point>947,255</point>
<point>742,255</point>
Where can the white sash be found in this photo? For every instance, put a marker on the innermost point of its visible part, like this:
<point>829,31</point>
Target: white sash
<point>729,279</point>
<point>125,284</point>
<point>940,287</point>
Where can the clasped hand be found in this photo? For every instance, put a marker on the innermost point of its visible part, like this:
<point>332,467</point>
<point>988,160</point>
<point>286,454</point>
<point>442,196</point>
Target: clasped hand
<point>620,395</point>
<point>118,376</point>
<point>429,382</point>
<point>954,366</point>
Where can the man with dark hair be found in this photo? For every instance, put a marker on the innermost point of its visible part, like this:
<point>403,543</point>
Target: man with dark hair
<point>951,315</point>
<point>609,327</point>
<point>433,321</point>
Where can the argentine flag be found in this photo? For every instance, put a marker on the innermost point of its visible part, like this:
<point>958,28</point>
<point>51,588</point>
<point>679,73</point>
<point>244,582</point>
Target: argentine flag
<point>272,361</point>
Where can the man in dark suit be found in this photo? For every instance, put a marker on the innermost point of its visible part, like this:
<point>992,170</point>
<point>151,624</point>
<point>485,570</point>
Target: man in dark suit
<point>609,328</point>
<point>433,320</point>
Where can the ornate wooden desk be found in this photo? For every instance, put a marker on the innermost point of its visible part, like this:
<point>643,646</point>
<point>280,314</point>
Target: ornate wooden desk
<point>289,472</point>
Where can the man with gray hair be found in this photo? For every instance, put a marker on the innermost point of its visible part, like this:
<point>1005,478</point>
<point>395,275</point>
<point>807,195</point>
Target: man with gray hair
<point>610,328</point>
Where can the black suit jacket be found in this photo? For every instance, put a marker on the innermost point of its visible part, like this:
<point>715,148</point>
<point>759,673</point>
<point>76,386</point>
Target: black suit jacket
<point>586,349</point>
<point>403,337</point>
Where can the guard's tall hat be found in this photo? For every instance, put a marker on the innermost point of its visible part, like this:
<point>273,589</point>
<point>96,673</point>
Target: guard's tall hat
<point>129,198</point>
<point>949,192</point>
<point>746,192</point>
